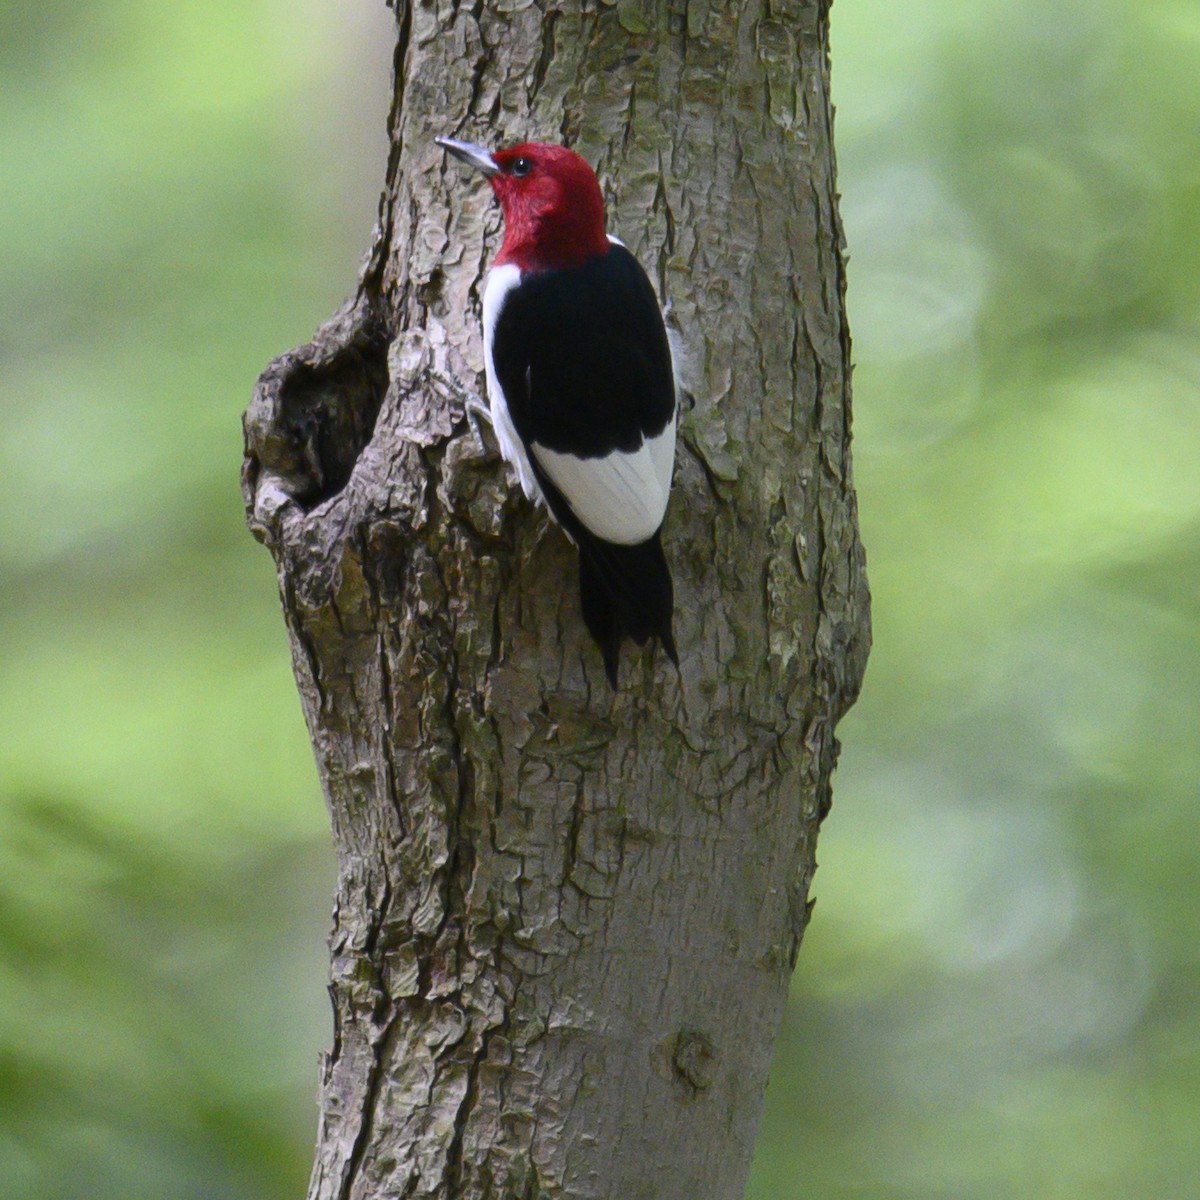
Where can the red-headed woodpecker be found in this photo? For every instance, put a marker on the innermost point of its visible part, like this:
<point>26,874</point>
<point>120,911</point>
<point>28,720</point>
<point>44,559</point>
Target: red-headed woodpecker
<point>581,386</point>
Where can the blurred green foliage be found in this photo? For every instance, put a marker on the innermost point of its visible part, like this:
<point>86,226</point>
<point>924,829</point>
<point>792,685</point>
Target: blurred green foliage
<point>172,221</point>
<point>997,996</point>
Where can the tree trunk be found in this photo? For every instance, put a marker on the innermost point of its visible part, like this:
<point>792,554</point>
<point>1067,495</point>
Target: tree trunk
<point>566,918</point>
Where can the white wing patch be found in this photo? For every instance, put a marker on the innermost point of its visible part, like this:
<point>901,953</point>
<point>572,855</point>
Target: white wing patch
<point>501,281</point>
<point>621,497</point>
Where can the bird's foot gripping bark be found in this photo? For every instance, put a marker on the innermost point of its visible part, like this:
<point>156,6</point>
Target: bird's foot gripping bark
<point>476,408</point>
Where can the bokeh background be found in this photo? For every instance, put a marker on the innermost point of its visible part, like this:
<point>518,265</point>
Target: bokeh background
<point>1000,993</point>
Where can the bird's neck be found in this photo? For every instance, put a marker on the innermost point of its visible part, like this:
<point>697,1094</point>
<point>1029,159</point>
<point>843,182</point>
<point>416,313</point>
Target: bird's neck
<point>550,241</point>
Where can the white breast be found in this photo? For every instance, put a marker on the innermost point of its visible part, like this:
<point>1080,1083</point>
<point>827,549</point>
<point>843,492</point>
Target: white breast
<point>501,281</point>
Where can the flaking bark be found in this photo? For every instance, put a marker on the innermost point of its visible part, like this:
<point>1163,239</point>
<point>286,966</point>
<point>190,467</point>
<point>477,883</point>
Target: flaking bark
<point>566,918</point>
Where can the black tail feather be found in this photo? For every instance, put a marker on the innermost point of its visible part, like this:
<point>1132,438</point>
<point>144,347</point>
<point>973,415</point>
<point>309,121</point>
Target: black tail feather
<point>626,591</point>
<point>599,615</point>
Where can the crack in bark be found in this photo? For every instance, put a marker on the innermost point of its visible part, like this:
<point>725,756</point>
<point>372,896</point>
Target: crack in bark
<point>362,1141</point>
<point>454,1152</point>
<point>542,67</point>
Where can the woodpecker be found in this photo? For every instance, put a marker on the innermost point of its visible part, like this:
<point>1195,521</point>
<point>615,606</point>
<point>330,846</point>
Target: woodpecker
<point>581,387</point>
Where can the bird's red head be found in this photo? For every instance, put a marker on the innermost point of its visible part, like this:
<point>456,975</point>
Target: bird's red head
<point>551,200</point>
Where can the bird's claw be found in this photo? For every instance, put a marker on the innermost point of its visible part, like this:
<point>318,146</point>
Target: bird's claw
<point>475,408</point>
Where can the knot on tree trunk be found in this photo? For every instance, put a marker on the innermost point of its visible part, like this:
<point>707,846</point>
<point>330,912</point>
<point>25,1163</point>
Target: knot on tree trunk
<point>356,449</point>
<point>312,414</point>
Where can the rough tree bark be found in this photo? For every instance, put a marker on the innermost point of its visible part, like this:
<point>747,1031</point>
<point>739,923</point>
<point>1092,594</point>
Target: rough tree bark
<point>565,919</point>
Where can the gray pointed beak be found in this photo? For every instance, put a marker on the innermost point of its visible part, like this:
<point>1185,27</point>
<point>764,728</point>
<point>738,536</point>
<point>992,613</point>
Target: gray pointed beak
<point>472,155</point>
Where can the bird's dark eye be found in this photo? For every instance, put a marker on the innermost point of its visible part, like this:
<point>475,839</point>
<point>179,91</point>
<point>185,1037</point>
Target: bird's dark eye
<point>521,167</point>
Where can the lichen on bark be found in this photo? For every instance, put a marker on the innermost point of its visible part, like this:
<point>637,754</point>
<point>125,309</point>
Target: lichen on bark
<point>566,917</point>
